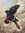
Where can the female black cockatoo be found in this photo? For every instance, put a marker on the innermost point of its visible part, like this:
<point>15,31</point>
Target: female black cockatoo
<point>10,16</point>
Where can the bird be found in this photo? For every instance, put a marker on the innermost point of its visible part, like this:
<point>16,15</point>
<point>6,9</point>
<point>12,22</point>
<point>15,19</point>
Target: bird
<point>10,16</point>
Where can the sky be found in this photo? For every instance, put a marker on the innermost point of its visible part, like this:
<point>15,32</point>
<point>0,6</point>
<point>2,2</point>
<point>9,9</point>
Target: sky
<point>6,4</point>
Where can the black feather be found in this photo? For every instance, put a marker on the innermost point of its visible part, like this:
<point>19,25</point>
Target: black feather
<point>13,9</point>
